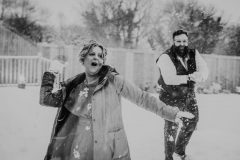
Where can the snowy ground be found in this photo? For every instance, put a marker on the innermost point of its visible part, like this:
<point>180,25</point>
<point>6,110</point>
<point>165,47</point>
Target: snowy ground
<point>26,127</point>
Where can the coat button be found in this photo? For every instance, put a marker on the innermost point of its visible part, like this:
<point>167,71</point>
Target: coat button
<point>94,120</point>
<point>95,141</point>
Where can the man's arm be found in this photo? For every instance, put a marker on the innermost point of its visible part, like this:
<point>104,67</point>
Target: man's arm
<point>169,72</point>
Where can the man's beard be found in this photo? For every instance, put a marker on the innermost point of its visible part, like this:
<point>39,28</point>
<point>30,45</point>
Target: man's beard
<point>182,51</point>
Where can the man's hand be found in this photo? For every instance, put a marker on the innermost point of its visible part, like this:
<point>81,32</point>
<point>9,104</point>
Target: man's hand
<point>196,77</point>
<point>56,67</point>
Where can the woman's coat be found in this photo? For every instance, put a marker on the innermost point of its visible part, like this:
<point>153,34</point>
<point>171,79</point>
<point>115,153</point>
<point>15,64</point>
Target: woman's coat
<point>110,141</point>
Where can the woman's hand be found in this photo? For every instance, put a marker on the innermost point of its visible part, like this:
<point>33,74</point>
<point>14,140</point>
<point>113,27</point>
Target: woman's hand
<point>56,67</point>
<point>181,114</point>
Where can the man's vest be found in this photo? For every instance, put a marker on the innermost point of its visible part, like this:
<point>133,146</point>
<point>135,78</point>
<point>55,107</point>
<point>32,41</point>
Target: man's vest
<point>179,91</point>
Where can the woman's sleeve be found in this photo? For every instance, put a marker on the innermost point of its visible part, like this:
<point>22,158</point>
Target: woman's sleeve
<point>144,99</point>
<point>47,98</point>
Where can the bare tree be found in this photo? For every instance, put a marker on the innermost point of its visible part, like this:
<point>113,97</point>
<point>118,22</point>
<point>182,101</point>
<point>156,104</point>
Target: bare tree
<point>229,43</point>
<point>200,21</point>
<point>5,5</point>
<point>120,20</point>
<point>21,19</point>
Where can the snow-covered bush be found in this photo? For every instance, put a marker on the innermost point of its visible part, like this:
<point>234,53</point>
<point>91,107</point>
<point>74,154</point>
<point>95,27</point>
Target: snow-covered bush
<point>238,89</point>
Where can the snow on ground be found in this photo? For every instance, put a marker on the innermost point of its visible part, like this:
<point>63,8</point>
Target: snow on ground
<point>26,127</point>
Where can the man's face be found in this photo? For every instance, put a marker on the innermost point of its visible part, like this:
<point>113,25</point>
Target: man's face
<point>181,41</point>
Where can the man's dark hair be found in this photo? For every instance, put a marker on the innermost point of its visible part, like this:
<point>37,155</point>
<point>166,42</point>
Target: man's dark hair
<point>179,32</point>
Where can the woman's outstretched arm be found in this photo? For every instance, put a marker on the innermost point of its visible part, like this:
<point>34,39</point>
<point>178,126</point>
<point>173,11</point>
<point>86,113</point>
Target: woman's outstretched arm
<point>147,101</point>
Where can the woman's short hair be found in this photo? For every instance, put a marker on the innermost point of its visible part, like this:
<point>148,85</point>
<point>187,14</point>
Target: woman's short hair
<point>88,48</point>
<point>179,32</point>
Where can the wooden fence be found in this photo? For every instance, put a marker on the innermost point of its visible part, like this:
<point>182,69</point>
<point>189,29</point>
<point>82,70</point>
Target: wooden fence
<point>137,66</point>
<point>12,44</point>
<point>224,70</point>
<point>18,56</point>
<point>31,67</point>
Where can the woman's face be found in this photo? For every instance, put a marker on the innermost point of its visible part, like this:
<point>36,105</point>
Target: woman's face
<point>93,61</point>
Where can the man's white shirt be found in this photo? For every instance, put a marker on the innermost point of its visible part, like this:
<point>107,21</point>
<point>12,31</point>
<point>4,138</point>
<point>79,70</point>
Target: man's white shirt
<point>169,72</point>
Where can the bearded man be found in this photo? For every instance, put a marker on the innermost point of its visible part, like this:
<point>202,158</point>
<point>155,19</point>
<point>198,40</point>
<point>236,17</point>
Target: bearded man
<point>180,68</point>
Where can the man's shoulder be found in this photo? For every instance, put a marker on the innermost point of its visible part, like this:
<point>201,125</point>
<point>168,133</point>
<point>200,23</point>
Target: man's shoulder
<point>167,51</point>
<point>193,50</point>
<point>163,55</point>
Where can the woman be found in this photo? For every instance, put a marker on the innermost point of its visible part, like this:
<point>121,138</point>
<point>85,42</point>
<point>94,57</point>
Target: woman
<point>89,124</point>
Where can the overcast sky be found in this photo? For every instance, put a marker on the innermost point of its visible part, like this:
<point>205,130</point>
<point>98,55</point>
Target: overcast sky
<point>230,8</point>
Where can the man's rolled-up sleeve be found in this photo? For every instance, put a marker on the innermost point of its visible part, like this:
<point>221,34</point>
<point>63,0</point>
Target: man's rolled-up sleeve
<point>168,71</point>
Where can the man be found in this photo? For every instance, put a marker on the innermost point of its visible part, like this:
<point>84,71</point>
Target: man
<point>180,68</point>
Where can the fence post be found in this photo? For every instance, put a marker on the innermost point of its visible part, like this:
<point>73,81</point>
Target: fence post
<point>39,72</point>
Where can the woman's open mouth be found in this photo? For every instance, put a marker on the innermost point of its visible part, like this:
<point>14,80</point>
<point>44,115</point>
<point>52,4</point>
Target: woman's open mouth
<point>94,64</point>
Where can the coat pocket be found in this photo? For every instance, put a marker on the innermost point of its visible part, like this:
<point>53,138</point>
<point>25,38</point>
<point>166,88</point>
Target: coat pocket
<point>120,145</point>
